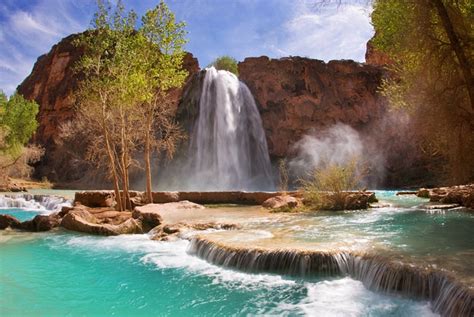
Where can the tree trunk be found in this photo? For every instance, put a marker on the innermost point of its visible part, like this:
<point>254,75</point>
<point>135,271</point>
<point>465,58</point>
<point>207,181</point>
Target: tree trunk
<point>114,171</point>
<point>458,50</point>
<point>148,195</point>
<point>123,162</point>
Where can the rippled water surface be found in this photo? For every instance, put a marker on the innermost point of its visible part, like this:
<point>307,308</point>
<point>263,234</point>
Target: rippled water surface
<point>68,274</point>
<point>73,275</point>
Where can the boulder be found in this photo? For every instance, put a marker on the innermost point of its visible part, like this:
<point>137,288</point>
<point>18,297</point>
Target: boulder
<point>8,221</point>
<point>41,223</point>
<point>95,198</point>
<point>148,217</point>
<point>80,219</point>
<point>284,202</point>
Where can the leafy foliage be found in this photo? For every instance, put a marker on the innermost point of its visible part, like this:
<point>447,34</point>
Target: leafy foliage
<point>432,46</point>
<point>227,63</point>
<point>17,125</point>
<point>128,73</point>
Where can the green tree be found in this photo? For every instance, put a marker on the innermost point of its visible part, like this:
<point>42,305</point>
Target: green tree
<point>227,63</point>
<point>17,125</point>
<point>432,45</point>
<point>104,93</point>
<point>163,51</point>
<point>128,73</point>
<point>17,122</point>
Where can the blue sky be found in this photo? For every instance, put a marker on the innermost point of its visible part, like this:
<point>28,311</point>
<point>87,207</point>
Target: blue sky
<point>240,28</point>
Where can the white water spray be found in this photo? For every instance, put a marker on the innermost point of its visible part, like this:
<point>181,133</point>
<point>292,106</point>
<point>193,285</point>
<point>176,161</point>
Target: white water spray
<point>44,203</point>
<point>228,149</point>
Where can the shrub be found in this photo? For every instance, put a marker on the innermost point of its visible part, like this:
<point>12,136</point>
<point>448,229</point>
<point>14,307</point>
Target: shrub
<point>227,63</point>
<point>328,183</point>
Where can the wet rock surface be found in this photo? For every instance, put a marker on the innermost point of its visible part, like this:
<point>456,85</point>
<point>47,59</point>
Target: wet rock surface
<point>7,221</point>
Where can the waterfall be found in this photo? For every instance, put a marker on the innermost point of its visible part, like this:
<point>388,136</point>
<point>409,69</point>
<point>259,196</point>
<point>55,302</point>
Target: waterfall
<point>227,149</point>
<point>448,297</point>
<point>45,203</point>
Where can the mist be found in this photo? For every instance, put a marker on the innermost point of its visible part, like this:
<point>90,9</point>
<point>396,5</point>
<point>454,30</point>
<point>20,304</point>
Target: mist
<point>337,145</point>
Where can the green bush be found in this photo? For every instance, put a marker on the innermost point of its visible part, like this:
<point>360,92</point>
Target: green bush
<point>327,185</point>
<point>227,63</point>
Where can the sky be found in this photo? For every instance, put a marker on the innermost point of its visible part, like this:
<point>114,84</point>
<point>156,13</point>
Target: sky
<point>239,28</point>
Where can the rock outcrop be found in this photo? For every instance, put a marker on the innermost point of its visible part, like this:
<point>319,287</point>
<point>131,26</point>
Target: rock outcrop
<point>81,220</point>
<point>374,56</point>
<point>95,198</point>
<point>462,195</point>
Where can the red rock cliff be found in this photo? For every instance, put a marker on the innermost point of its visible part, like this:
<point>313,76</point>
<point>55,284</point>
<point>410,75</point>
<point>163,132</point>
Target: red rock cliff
<point>296,95</point>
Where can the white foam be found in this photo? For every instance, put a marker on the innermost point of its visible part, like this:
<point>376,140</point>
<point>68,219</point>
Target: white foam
<point>44,204</point>
<point>173,255</point>
<point>348,297</point>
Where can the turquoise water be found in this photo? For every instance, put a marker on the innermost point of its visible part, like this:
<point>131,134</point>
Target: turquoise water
<point>62,273</point>
<point>65,274</point>
<point>20,214</point>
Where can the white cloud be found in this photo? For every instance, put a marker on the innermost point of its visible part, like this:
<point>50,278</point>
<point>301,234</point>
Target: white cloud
<point>25,35</point>
<point>328,33</point>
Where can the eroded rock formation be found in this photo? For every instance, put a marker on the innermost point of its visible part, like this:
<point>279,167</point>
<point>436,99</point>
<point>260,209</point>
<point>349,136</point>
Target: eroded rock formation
<point>297,95</point>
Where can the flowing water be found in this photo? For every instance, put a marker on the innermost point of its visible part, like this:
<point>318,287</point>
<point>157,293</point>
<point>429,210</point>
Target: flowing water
<point>227,148</point>
<point>68,274</point>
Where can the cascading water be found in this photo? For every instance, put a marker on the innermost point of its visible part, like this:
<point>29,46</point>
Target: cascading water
<point>43,203</point>
<point>228,149</point>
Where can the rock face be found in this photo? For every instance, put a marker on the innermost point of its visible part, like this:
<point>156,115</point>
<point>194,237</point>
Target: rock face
<point>52,84</point>
<point>375,57</point>
<point>297,95</point>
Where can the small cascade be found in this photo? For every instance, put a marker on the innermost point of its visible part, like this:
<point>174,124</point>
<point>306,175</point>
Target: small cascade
<point>448,297</point>
<point>228,149</point>
<point>45,203</point>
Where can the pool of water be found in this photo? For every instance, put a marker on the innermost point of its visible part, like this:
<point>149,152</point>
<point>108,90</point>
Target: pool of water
<point>20,213</point>
<point>62,273</point>
<point>66,274</point>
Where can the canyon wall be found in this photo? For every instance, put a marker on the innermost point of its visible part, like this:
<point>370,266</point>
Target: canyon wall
<point>295,96</point>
